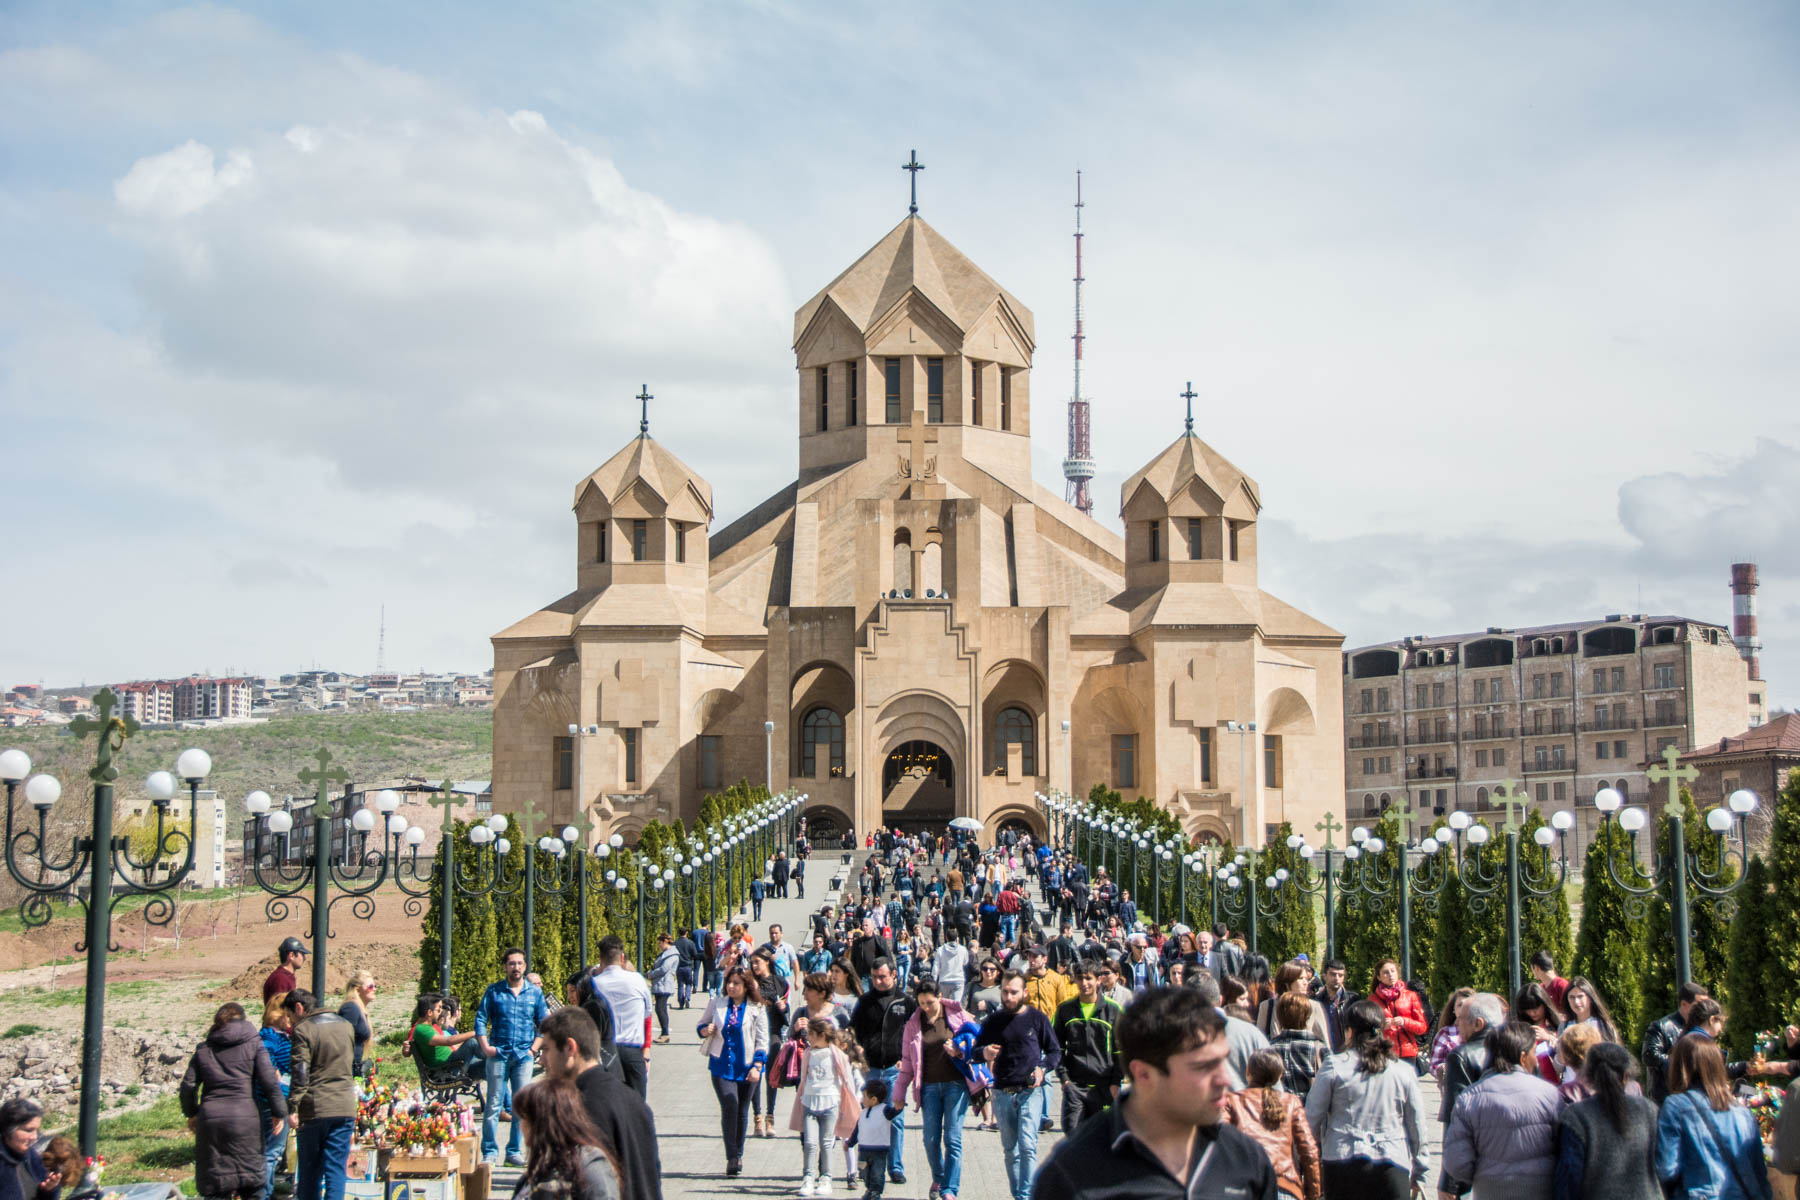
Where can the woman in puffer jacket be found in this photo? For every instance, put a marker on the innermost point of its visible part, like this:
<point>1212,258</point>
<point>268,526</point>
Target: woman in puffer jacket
<point>1502,1135</point>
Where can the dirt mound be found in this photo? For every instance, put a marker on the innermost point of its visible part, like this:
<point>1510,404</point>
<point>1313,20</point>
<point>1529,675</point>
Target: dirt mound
<point>394,967</point>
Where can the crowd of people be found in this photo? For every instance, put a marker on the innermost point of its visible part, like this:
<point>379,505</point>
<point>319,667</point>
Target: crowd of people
<point>951,988</point>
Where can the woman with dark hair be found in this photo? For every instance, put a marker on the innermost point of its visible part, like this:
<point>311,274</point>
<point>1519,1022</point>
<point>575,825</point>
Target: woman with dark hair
<point>735,1028</point>
<point>21,1122</point>
<point>1533,1008</point>
<point>1448,1037</point>
<point>1501,1136</point>
<point>1607,1144</point>
<point>567,1157</point>
<point>1707,1144</point>
<point>1586,1007</point>
<point>1293,976</point>
<point>1259,985</point>
<point>1365,1114</point>
<point>218,1097</point>
<point>1403,1017</point>
<point>846,987</point>
<point>774,992</point>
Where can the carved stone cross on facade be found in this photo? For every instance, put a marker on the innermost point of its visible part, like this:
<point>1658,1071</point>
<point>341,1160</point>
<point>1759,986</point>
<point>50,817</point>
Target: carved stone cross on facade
<point>917,436</point>
<point>633,701</point>
<point>1675,774</point>
<point>1509,797</point>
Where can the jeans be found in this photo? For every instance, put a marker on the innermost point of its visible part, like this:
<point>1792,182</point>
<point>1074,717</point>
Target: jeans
<point>1009,926</point>
<point>818,1134</point>
<point>756,907</point>
<point>504,1075</point>
<point>1019,1114</point>
<point>684,988</point>
<point>945,1106</point>
<point>874,1168</point>
<point>1363,1179</point>
<point>634,1070</point>
<point>894,1156</point>
<point>734,1113</point>
<point>324,1147</point>
<point>274,1150</point>
<point>662,1013</point>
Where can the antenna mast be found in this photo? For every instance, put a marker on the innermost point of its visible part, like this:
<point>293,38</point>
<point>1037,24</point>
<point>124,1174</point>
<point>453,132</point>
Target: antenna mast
<point>1078,467</point>
<point>381,644</point>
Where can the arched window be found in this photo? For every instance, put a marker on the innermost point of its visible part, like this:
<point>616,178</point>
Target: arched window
<point>1015,725</point>
<point>1368,799</point>
<point>1481,800</point>
<point>822,727</point>
<point>1384,800</point>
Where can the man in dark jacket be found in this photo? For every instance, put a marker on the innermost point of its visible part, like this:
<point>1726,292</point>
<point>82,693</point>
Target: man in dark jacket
<point>1090,1070</point>
<point>571,1052</point>
<point>321,1095</point>
<point>1022,1050</point>
<point>1480,1013</point>
<point>1660,1039</point>
<point>1173,1045</point>
<point>779,874</point>
<point>1331,993</point>
<point>868,949</point>
<point>877,1022</point>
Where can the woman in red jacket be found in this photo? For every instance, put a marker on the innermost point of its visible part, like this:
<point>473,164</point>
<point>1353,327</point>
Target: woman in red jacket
<point>1405,1023</point>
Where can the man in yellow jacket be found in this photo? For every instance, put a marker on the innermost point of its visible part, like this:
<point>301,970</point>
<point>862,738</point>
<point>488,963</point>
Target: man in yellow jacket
<point>1045,990</point>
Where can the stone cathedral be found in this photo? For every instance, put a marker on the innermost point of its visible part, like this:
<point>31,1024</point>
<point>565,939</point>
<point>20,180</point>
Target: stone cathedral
<point>914,630</point>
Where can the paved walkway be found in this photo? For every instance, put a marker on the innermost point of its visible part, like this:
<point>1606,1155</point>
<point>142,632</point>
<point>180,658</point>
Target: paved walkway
<point>687,1114</point>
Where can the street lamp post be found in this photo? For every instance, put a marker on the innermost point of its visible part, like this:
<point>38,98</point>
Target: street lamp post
<point>99,855</point>
<point>320,873</point>
<point>1326,881</point>
<point>1680,871</point>
<point>1483,882</point>
<point>1371,883</point>
<point>1243,729</point>
<point>769,756</point>
<point>1244,898</point>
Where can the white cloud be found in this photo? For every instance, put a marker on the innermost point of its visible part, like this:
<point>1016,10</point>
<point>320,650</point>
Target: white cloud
<point>181,182</point>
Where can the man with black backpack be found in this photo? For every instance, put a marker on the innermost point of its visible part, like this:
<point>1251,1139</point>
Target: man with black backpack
<point>877,1022</point>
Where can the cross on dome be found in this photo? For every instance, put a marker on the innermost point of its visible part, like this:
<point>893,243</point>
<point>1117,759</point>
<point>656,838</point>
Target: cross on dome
<point>1189,397</point>
<point>644,397</point>
<point>913,166</point>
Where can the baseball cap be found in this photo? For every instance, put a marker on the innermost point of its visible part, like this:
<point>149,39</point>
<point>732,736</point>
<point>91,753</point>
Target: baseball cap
<point>289,945</point>
<point>1034,951</point>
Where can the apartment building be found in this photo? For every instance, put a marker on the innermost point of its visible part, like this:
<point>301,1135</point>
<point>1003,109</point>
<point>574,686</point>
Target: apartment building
<point>1559,710</point>
<point>149,702</point>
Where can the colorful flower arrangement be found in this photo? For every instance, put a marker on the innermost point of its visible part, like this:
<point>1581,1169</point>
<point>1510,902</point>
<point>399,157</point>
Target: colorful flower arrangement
<point>92,1168</point>
<point>399,1119</point>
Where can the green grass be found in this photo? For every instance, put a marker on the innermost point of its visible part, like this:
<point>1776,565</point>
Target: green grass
<point>18,1031</point>
<point>147,1144</point>
<point>67,997</point>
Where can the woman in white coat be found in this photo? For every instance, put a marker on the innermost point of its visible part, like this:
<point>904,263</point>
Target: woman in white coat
<point>735,1033</point>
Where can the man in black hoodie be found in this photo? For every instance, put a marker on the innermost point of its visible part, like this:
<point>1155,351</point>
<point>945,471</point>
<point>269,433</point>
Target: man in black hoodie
<point>877,1023</point>
<point>1085,1028</point>
<point>571,1052</point>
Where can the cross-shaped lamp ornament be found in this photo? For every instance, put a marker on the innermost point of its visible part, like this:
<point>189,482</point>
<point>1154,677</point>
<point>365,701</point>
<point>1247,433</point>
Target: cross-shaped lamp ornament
<point>1672,772</point>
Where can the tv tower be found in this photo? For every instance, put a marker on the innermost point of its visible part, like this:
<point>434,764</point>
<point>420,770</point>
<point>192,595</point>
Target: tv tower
<point>1078,467</point>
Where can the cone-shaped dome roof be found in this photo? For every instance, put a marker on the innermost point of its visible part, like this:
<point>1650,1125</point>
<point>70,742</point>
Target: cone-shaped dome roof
<point>645,460</point>
<point>1188,458</point>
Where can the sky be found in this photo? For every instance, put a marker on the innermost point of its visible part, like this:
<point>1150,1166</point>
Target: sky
<point>310,310</point>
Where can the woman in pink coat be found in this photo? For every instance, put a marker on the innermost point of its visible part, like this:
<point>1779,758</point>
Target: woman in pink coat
<point>928,1061</point>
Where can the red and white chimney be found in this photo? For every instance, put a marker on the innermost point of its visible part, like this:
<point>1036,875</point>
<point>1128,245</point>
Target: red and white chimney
<point>1743,616</point>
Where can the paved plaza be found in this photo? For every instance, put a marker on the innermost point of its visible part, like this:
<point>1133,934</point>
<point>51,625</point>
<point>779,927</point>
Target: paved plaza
<point>687,1114</point>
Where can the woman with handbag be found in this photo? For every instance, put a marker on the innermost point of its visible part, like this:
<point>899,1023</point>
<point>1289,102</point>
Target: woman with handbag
<point>1707,1144</point>
<point>734,1033</point>
<point>931,1061</point>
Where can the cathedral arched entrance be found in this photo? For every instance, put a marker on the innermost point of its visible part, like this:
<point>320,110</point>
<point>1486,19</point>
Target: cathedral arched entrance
<point>918,787</point>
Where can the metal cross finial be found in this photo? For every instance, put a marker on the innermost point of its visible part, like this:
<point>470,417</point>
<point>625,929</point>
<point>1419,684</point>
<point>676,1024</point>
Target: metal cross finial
<point>325,772</point>
<point>445,798</point>
<point>1329,826</point>
<point>1514,801</point>
<point>1676,775</point>
<point>1189,397</point>
<point>1406,812</point>
<point>644,397</point>
<point>529,817</point>
<point>914,166</point>
<point>112,730</point>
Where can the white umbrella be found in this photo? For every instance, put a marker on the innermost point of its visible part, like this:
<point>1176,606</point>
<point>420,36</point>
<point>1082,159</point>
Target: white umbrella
<point>969,823</point>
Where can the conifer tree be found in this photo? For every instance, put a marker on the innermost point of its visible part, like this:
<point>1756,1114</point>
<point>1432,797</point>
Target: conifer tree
<point>1753,1006</point>
<point>1294,930</point>
<point>546,926</point>
<point>1610,952</point>
<point>1483,886</point>
<point>1369,925</point>
<point>1452,965</point>
<point>1709,929</point>
<point>1544,922</point>
<point>1781,982</point>
<point>509,911</point>
<point>474,958</point>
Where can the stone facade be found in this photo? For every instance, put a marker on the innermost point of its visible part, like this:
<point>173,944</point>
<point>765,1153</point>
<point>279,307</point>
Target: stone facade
<point>1560,710</point>
<point>914,630</point>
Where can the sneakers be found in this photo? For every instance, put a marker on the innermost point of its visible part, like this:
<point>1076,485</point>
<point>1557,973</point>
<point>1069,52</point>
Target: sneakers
<point>515,1160</point>
<point>936,1191</point>
<point>663,1040</point>
<point>734,1166</point>
<point>823,1186</point>
<point>807,1187</point>
<point>896,1176</point>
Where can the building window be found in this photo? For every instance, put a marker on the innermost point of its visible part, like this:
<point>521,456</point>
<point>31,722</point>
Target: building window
<point>1421,695</point>
<point>709,760</point>
<point>564,763</point>
<point>1234,526</point>
<point>1480,797</point>
<point>1442,729</point>
<point>1556,685</point>
<point>850,374</point>
<point>1156,541</point>
<point>1124,755</point>
<point>1480,724</point>
<point>1664,675</point>
<point>680,541</point>
<point>1540,756</point>
<point>1500,758</point>
<point>1618,679</point>
<point>1601,749</point>
<point>822,726</point>
<point>640,539</point>
<point>1663,744</point>
<point>1665,712</point>
<point>1272,760</point>
<point>975,391</point>
<point>600,542</point>
<point>1196,551</point>
<point>1381,699</point>
<point>824,399</point>
<point>1481,758</point>
<point>1368,766</point>
<point>1619,748</point>
<point>892,366</point>
<point>1537,687</point>
<point>1543,793</point>
<point>1480,690</point>
<point>1559,756</point>
<point>1368,700</point>
<point>1015,725</point>
<point>1437,695</point>
<point>1556,721</point>
<point>631,756</point>
<point>1206,764</point>
<point>1499,689</point>
<point>934,390</point>
<point>1387,764</point>
<point>1005,399</point>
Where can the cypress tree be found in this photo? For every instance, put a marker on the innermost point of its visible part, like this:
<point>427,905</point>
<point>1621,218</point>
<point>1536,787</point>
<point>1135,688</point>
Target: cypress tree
<point>1781,955</point>
<point>1610,952</point>
<point>1544,922</point>
<point>474,947</point>
<point>1753,1006</point>
<point>1294,930</point>
<point>509,910</point>
<point>1369,926</point>
<point>546,926</point>
<point>1452,965</point>
<point>1483,882</point>
<point>1709,929</point>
